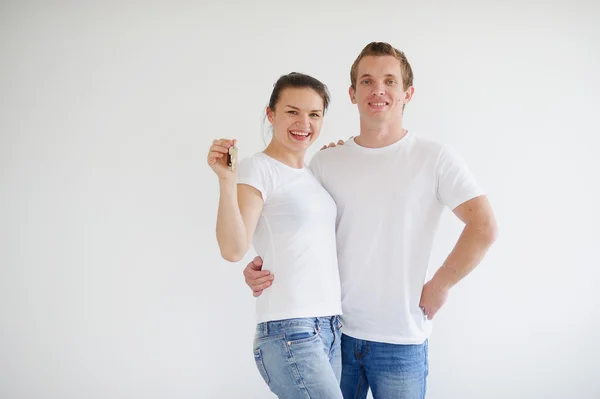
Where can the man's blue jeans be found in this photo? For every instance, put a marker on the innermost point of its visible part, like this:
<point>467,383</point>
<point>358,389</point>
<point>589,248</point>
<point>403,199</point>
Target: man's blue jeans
<point>300,358</point>
<point>391,371</point>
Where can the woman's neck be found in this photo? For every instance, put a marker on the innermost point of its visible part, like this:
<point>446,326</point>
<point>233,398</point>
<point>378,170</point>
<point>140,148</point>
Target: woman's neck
<point>285,156</point>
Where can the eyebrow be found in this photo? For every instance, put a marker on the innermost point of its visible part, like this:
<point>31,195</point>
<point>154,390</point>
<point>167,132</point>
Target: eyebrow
<point>387,75</point>
<point>296,108</point>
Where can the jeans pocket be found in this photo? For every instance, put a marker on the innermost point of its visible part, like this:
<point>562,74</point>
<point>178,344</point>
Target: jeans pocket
<point>261,366</point>
<point>299,335</point>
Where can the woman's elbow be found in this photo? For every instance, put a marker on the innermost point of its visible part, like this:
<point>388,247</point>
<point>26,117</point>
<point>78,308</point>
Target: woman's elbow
<point>232,256</point>
<point>230,251</point>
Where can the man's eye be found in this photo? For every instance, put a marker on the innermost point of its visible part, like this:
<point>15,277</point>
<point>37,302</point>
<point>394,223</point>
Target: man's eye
<point>391,82</point>
<point>292,112</point>
<point>366,82</point>
<point>315,115</point>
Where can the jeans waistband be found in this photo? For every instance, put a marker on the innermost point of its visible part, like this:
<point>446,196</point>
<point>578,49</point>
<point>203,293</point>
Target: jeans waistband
<point>316,322</point>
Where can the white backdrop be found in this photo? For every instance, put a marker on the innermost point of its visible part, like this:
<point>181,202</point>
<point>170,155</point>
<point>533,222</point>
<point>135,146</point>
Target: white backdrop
<point>111,283</point>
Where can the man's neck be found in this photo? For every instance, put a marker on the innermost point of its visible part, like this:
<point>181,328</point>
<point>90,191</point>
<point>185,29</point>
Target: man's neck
<point>382,135</point>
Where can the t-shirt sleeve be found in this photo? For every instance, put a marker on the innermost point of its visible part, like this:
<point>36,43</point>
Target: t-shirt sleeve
<point>455,183</point>
<point>315,168</point>
<point>253,172</point>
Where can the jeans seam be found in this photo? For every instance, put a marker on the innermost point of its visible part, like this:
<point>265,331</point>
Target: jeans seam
<point>360,384</point>
<point>296,370</point>
<point>261,365</point>
<point>360,356</point>
<point>330,355</point>
<point>426,373</point>
<point>301,383</point>
<point>362,373</point>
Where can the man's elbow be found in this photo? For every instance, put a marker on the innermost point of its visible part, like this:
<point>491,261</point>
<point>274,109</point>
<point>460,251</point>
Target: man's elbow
<point>490,232</point>
<point>485,229</point>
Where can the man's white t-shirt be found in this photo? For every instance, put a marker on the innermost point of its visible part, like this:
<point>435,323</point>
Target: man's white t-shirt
<point>389,203</point>
<point>295,237</point>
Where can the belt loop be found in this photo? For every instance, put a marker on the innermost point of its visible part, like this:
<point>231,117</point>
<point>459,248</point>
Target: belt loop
<point>266,328</point>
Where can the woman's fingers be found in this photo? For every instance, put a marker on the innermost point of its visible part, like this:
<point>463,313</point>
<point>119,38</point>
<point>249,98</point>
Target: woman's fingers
<point>222,145</point>
<point>219,148</point>
<point>225,142</point>
<point>215,155</point>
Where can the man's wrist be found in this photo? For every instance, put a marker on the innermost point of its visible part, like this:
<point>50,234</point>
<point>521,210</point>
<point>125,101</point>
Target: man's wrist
<point>444,278</point>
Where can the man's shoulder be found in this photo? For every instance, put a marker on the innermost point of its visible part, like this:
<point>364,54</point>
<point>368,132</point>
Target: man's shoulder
<point>427,144</point>
<point>438,152</point>
<point>329,154</point>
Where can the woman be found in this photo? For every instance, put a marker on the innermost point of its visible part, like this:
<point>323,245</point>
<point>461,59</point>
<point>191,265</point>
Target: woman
<point>276,203</point>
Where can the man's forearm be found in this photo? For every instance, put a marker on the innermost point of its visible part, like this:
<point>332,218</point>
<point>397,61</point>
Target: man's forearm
<point>473,244</point>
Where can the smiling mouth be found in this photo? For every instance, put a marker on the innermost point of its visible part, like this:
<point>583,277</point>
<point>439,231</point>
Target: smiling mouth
<point>379,104</point>
<point>300,135</point>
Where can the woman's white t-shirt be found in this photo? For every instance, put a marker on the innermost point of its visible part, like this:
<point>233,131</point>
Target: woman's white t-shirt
<point>295,237</point>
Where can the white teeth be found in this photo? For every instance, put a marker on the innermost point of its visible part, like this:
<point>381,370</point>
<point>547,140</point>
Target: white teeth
<point>378,104</point>
<point>302,134</point>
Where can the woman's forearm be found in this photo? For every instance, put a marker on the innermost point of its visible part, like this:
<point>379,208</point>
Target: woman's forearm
<point>231,231</point>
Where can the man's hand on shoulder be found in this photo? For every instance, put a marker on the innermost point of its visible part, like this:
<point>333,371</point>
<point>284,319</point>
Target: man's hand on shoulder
<point>332,144</point>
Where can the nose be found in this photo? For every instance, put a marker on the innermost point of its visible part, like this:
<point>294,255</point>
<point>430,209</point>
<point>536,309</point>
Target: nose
<point>378,89</point>
<point>303,121</point>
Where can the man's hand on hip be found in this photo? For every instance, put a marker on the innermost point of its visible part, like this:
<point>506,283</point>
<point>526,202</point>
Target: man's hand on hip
<point>433,298</point>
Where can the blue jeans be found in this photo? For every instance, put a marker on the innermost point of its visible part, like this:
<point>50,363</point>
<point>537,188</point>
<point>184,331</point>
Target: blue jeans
<point>300,358</point>
<point>391,371</point>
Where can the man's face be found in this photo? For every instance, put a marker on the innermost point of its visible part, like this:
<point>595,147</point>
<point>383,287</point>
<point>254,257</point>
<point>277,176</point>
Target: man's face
<point>379,93</point>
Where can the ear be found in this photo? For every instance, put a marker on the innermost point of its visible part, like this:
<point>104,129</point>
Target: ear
<point>352,94</point>
<point>270,115</point>
<point>408,95</point>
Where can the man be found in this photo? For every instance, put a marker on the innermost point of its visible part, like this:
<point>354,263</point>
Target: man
<point>390,187</point>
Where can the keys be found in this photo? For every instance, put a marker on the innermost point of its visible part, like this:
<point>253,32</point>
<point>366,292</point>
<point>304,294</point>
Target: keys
<point>232,158</point>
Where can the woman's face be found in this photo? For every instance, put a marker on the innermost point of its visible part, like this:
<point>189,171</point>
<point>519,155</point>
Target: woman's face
<point>297,118</point>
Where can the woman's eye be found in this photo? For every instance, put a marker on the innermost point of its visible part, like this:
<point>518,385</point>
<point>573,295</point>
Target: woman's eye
<point>292,112</point>
<point>315,115</point>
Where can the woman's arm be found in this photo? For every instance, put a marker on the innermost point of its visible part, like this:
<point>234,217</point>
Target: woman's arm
<point>239,205</point>
<point>239,210</point>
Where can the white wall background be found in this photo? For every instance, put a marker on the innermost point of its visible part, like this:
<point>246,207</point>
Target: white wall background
<point>111,283</point>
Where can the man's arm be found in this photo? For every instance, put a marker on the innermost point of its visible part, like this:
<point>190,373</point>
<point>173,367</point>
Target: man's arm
<point>478,235</point>
<point>332,144</point>
<point>256,278</point>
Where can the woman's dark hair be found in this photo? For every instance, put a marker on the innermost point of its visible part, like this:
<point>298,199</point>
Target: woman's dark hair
<point>298,81</point>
